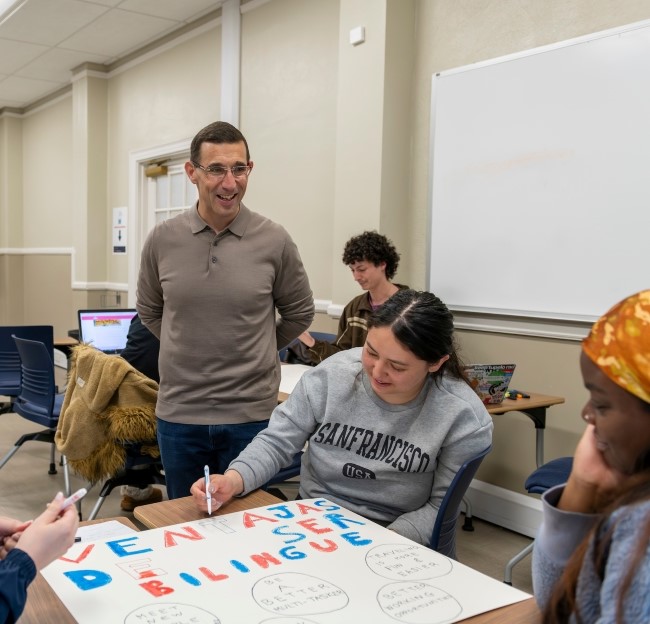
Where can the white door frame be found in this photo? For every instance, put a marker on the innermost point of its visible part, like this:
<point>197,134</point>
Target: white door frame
<point>138,160</point>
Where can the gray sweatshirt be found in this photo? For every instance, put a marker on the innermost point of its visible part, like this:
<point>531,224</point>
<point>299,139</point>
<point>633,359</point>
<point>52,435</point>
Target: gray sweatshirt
<point>597,598</point>
<point>389,463</point>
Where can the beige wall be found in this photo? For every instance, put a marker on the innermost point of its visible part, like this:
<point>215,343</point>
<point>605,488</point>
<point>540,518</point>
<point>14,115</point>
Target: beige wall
<point>160,101</point>
<point>288,114</point>
<point>48,177</point>
<point>340,139</point>
<point>452,33</point>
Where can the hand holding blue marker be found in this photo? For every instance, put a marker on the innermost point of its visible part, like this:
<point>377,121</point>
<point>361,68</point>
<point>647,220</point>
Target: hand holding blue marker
<point>208,496</point>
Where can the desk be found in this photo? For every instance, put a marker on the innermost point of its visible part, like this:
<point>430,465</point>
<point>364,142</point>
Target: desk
<point>43,605</point>
<point>65,343</point>
<point>535,408</point>
<point>184,509</point>
<point>180,510</point>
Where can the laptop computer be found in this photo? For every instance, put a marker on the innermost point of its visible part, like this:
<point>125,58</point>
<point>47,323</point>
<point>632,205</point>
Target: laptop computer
<point>490,381</point>
<point>105,330</point>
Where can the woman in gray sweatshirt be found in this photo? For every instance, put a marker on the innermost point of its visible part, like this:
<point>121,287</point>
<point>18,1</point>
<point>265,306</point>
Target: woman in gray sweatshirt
<point>388,425</point>
<point>591,561</point>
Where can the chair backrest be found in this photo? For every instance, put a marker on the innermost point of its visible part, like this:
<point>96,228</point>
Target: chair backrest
<point>443,537</point>
<point>9,357</point>
<point>327,337</point>
<point>548,475</point>
<point>38,391</point>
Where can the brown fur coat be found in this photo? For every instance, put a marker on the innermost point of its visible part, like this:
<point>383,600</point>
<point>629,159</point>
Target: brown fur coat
<point>107,403</point>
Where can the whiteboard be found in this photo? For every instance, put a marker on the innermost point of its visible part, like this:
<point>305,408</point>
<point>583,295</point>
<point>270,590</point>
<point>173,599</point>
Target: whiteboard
<point>540,178</point>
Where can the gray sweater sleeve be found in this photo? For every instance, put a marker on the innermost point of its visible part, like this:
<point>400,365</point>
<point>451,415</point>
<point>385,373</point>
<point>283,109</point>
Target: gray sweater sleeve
<point>557,538</point>
<point>273,448</point>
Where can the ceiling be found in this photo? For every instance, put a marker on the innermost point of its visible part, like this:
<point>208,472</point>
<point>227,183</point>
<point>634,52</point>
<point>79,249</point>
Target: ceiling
<point>41,41</point>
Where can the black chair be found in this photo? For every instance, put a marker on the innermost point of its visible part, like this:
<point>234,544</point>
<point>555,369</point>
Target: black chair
<point>443,537</point>
<point>548,475</point>
<point>139,471</point>
<point>10,359</point>
<point>284,353</point>
<point>38,400</point>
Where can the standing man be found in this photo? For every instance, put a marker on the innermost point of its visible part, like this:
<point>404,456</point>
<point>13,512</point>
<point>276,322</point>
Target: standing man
<point>211,280</point>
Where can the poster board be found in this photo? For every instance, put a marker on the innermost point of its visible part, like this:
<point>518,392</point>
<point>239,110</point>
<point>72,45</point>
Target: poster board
<point>539,189</point>
<point>308,562</point>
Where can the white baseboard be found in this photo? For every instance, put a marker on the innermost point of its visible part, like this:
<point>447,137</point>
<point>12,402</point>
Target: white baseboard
<point>511,510</point>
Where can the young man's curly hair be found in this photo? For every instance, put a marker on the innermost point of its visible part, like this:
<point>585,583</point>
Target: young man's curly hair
<point>372,247</point>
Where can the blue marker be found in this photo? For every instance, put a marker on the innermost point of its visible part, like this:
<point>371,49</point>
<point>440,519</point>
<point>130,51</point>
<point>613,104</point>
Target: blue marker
<point>208,497</point>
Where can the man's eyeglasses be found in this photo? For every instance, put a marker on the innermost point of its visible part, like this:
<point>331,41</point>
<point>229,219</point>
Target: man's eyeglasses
<point>217,172</point>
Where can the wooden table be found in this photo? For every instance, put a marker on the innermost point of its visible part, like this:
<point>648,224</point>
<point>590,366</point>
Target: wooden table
<point>43,605</point>
<point>65,342</point>
<point>535,408</point>
<point>184,509</point>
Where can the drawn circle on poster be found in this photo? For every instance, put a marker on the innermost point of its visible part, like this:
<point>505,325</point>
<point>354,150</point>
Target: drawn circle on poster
<point>162,612</point>
<point>294,594</point>
<point>401,562</point>
<point>417,603</point>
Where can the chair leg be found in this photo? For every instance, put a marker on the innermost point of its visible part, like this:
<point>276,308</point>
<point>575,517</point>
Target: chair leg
<point>107,488</point>
<point>52,470</point>
<point>468,525</point>
<point>12,451</point>
<point>97,507</point>
<point>515,560</point>
<point>66,478</point>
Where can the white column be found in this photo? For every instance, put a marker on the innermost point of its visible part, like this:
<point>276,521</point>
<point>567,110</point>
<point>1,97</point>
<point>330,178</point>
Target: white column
<point>230,61</point>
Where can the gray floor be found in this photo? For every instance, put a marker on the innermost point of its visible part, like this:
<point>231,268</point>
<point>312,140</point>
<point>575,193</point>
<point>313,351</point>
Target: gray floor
<point>25,487</point>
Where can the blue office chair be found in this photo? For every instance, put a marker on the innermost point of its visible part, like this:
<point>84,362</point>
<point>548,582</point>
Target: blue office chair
<point>38,400</point>
<point>283,354</point>
<point>548,475</point>
<point>10,359</point>
<point>443,537</point>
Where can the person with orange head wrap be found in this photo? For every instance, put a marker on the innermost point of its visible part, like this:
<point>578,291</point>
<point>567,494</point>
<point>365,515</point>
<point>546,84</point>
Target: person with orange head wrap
<point>591,560</point>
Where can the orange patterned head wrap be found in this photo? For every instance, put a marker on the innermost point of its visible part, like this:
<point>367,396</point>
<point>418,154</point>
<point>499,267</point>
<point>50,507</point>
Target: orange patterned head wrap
<point>619,344</point>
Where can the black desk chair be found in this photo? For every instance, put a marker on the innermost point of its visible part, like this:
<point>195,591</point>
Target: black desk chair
<point>10,359</point>
<point>283,354</point>
<point>140,469</point>
<point>38,400</point>
<point>443,537</point>
<point>548,475</point>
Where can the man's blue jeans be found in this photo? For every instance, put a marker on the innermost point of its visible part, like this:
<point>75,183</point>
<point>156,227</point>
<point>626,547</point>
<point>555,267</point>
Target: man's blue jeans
<point>185,449</point>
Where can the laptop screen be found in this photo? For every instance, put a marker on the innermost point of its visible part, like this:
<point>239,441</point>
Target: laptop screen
<point>105,330</point>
